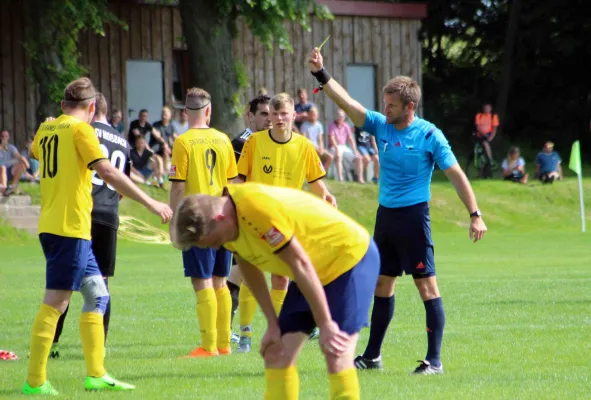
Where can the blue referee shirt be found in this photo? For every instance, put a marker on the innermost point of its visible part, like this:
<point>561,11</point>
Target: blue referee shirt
<point>407,159</point>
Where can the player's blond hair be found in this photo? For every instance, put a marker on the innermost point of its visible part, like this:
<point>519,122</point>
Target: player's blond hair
<point>197,99</point>
<point>79,93</point>
<point>101,104</point>
<point>193,219</point>
<point>407,88</point>
<point>282,100</point>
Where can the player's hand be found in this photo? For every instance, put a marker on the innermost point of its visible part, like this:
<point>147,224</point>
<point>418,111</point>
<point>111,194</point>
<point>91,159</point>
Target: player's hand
<point>162,210</point>
<point>330,199</point>
<point>332,340</point>
<point>315,61</point>
<point>477,229</point>
<point>271,341</point>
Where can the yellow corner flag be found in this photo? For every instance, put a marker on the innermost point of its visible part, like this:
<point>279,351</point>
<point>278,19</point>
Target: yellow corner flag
<point>575,159</point>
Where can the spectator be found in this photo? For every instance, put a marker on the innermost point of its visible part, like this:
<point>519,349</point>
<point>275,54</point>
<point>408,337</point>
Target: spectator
<point>314,131</point>
<point>302,107</point>
<point>514,167</point>
<point>367,147</point>
<point>181,125</point>
<point>162,145</point>
<point>117,120</point>
<point>486,129</point>
<point>32,173</point>
<point>339,135</point>
<point>139,127</point>
<point>12,165</point>
<point>141,161</point>
<point>548,164</point>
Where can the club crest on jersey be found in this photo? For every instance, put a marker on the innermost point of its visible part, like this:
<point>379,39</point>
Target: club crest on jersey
<point>273,237</point>
<point>172,171</point>
<point>267,169</point>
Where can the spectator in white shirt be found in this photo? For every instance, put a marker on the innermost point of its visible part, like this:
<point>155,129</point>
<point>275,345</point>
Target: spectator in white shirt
<point>314,131</point>
<point>514,167</point>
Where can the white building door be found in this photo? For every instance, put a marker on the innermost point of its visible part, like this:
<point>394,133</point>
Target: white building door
<point>144,89</point>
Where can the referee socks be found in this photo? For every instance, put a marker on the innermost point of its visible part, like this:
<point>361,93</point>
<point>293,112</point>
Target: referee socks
<point>435,325</point>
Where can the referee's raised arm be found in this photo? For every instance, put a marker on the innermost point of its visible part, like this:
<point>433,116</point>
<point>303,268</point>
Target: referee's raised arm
<point>334,90</point>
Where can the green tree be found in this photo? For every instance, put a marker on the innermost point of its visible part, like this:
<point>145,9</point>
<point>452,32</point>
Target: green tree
<point>51,42</point>
<point>209,27</point>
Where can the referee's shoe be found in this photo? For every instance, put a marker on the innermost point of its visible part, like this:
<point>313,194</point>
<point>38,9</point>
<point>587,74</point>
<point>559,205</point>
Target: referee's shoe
<point>366,363</point>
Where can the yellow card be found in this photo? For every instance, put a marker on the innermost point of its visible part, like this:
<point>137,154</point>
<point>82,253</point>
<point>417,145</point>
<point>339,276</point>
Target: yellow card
<point>323,43</point>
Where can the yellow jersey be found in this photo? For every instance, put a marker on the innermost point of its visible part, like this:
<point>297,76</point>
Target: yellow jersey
<point>204,159</point>
<point>269,217</point>
<point>66,148</point>
<point>287,164</point>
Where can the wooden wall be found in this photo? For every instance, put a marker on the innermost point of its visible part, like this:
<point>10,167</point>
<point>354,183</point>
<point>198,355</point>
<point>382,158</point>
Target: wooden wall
<point>156,31</point>
<point>391,45</point>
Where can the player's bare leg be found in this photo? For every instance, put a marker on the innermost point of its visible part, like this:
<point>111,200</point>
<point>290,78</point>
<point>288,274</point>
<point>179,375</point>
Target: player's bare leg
<point>381,316</point>
<point>280,367</point>
<point>435,323</point>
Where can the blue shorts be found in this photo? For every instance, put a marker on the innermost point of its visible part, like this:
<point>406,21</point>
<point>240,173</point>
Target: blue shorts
<point>349,298</point>
<point>69,260</point>
<point>366,151</point>
<point>146,171</point>
<point>403,236</point>
<point>205,263</point>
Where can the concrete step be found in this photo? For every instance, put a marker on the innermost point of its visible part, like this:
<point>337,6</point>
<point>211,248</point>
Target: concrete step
<point>29,224</point>
<point>15,200</point>
<point>19,211</point>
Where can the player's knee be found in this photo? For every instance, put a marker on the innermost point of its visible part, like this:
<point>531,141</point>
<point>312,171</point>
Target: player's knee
<point>427,287</point>
<point>276,358</point>
<point>279,282</point>
<point>385,286</point>
<point>95,294</point>
<point>200,284</point>
<point>218,282</point>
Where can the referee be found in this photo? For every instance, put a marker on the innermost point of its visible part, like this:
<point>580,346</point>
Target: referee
<point>408,149</point>
<point>105,211</point>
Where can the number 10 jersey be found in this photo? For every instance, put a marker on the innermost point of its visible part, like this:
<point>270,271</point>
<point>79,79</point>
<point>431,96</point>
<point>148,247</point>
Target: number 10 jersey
<point>66,148</point>
<point>105,199</point>
<point>204,159</point>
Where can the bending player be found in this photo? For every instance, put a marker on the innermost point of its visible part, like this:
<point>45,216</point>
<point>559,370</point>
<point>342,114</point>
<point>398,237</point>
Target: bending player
<point>68,149</point>
<point>105,209</point>
<point>257,119</point>
<point>203,162</point>
<point>278,157</point>
<point>332,260</point>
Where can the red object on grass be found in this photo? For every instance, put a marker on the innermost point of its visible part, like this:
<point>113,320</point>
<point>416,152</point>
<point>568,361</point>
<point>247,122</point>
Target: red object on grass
<point>7,355</point>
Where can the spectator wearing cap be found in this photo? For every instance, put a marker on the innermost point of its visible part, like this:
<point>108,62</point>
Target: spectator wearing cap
<point>548,164</point>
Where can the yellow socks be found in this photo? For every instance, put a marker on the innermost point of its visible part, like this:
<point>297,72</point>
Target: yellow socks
<point>247,306</point>
<point>344,385</point>
<point>224,316</point>
<point>282,384</point>
<point>278,297</point>
<point>92,333</point>
<point>41,340</point>
<point>207,310</point>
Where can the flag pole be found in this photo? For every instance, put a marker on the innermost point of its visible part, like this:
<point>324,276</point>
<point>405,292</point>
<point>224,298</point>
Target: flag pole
<point>581,201</point>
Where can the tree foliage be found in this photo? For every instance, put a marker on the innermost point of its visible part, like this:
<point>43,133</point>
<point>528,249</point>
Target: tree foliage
<point>51,42</point>
<point>464,44</point>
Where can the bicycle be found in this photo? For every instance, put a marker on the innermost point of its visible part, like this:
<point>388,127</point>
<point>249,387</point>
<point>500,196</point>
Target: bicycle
<point>480,160</point>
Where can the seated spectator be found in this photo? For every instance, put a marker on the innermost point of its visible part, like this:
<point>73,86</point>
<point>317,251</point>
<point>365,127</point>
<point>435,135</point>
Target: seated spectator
<point>339,135</point>
<point>162,140</point>
<point>32,173</point>
<point>367,147</point>
<point>548,164</point>
<point>12,165</point>
<point>139,127</point>
<point>314,131</point>
<point>514,167</point>
<point>181,124</point>
<point>302,108</point>
<point>117,120</point>
<point>142,163</point>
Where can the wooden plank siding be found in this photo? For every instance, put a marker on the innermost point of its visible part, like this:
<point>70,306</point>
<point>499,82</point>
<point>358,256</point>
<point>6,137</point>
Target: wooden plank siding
<point>155,33</point>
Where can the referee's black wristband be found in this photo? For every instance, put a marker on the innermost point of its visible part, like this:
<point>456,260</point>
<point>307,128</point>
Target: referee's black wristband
<point>322,76</point>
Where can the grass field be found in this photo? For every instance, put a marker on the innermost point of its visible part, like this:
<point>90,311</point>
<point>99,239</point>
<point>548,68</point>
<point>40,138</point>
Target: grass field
<point>518,310</point>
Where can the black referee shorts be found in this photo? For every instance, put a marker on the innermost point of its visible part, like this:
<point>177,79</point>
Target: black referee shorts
<point>104,247</point>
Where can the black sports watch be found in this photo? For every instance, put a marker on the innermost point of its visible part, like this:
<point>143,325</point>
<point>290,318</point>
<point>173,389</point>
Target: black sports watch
<point>476,213</point>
